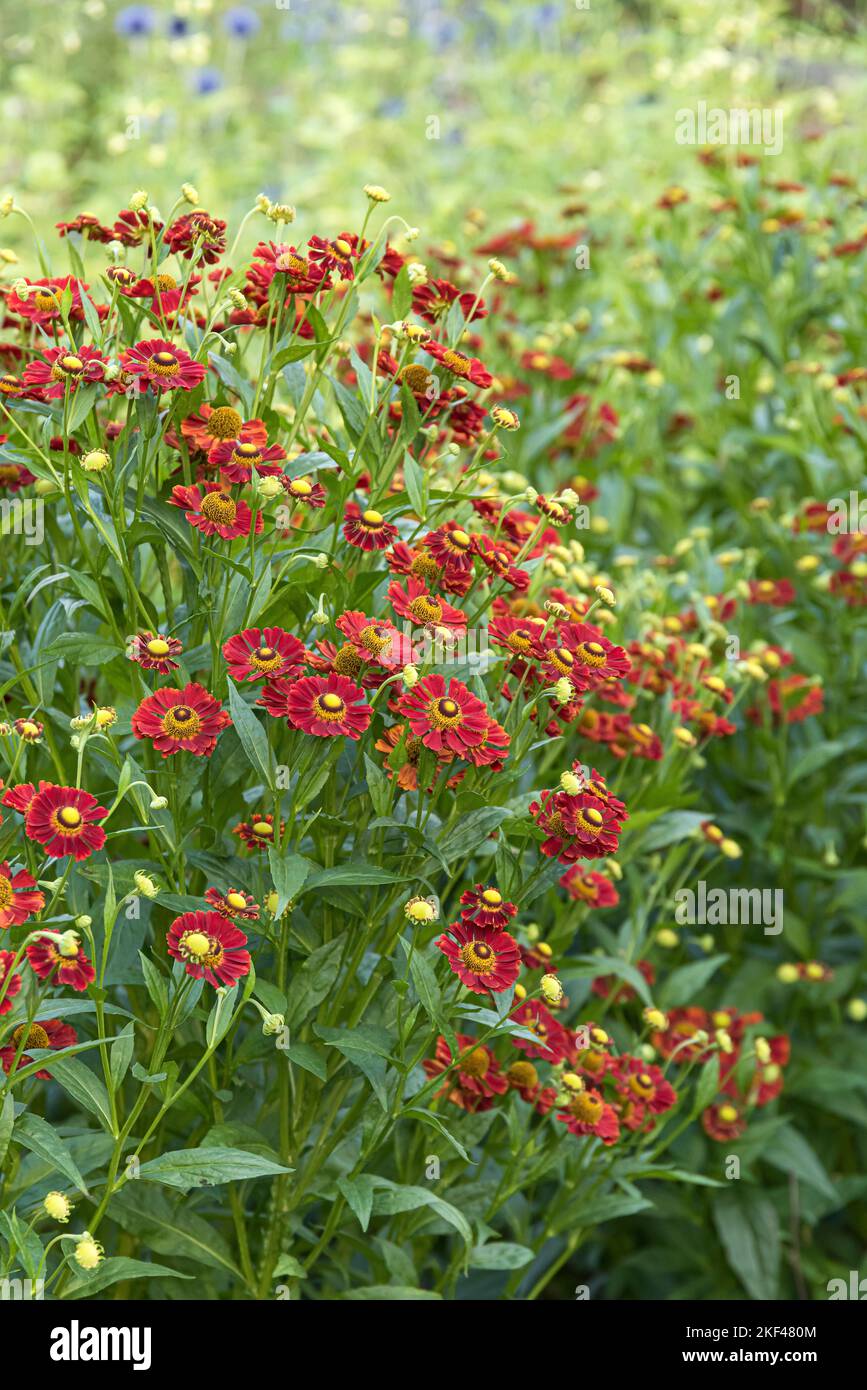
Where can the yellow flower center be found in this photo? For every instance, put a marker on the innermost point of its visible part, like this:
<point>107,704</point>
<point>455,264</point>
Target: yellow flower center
<point>219,508</point>
<point>478,957</point>
<point>34,1036</point>
<point>300,487</point>
<point>728,1114</point>
<point>426,609</point>
<point>158,646</point>
<point>456,362</point>
<point>262,829</point>
<point>592,653</point>
<point>195,943</point>
<point>329,706</point>
<point>586,1108</point>
<point>69,817</point>
<point>236,900</point>
<point>477,1063</point>
<point>181,722</point>
<point>224,423</point>
<point>371,518</point>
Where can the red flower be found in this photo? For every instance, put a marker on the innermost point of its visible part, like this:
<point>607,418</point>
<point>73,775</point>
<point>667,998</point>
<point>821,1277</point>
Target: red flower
<point>368,530</point>
<point>257,833</point>
<point>487,907</point>
<point>519,636</point>
<point>594,658</point>
<point>485,960</point>
<point>723,1122</point>
<point>493,749</point>
<point>376,640</point>
<point>424,608</point>
<point>451,547</point>
<point>41,305</point>
<point>210,947</point>
<point>263,653</point>
<point>20,796</point>
<point>19,897</point>
<point>595,890</point>
<point>161,366</point>
<point>63,820</point>
<point>154,652</point>
<point>216,424</point>
<point>339,254</point>
<point>452,719</point>
<point>327,705</point>
<point>236,459</point>
<point>6,959</point>
<point>53,1033</point>
<point>62,966</point>
<point>644,1083</point>
<point>552,1039</point>
<point>776,592</point>
<point>60,369</point>
<point>297,272</point>
<point>588,1113</point>
<point>304,493</point>
<point>577,827</point>
<point>188,720</point>
<point>197,231</point>
<point>468,368</point>
<point>88,226</point>
<point>233,903</point>
<point>683,1025</point>
<point>213,512</point>
<point>476,1081</point>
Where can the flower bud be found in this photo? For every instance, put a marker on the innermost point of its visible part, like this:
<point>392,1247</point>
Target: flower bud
<point>138,201</point>
<point>57,1205</point>
<point>145,885</point>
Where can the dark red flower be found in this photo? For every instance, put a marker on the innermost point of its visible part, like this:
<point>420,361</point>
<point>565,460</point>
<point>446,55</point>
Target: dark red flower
<point>367,530</point>
<point>723,1122</point>
<point>154,652</point>
<point>236,459</point>
<point>424,608</point>
<point>257,833</point>
<point>53,1033</point>
<point>62,965</point>
<point>19,897</point>
<point>188,720</point>
<point>486,960</point>
<point>487,907</point>
<point>468,368</point>
<point>197,231</point>
<point>233,903</point>
<point>776,592</point>
<point>552,1039</point>
<point>60,370</point>
<point>327,705</point>
<point>593,889</point>
<point>162,366</point>
<point>476,1081</point>
<point>209,947</point>
<point>444,718</point>
<point>588,1113</point>
<point>213,512</point>
<point>264,653</point>
<point>63,820</point>
<point>14,987</point>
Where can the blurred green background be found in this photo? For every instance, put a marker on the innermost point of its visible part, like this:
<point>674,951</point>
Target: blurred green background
<point>451,104</point>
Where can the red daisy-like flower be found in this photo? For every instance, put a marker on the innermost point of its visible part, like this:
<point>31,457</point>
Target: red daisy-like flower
<point>87,226</point>
<point>164,292</point>
<point>299,273</point>
<point>236,459</point>
<point>327,705</point>
<point>520,636</point>
<point>303,492</point>
<point>444,718</point>
<point>577,827</point>
<point>154,652</point>
<point>14,476</point>
<point>684,1025</point>
<point>19,897</point>
<point>188,720</point>
<point>263,653</point>
<point>41,303</point>
<point>213,512</point>
<point>257,833</point>
<point>434,298</point>
<point>339,255</point>
<point>424,608</point>
<point>723,1122</point>
<point>217,424</point>
<point>63,369</point>
<point>468,368</point>
<point>594,658</point>
<point>588,1113</point>
<point>643,1082</point>
<point>593,889</point>
<point>197,232</point>
<point>367,530</point>
<point>63,820</point>
<point>209,947</point>
<point>53,1033</point>
<point>162,366</point>
<point>66,965</point>
<point>376,640</point>
<point>14,986</point>
<point>493,749</point>
<point>487,907</point>
<point>476,1081</point>
<point>20,796</point>
<point>486,960</point>
<point>452,547</point>
<point>552,1039</point>
<point>777,592</point>
<point>233,903</point>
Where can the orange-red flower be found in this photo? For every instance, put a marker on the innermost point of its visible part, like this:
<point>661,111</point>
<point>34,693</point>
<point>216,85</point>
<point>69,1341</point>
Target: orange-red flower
<point>487,960</point>
<point>64,821</point>
<point>19,896</point>
<point>161,366</point>
<point>210,947</point>
<point>263,653</point>
<point>444,718</point>
<point>188,720</point>
<point>213,512</point>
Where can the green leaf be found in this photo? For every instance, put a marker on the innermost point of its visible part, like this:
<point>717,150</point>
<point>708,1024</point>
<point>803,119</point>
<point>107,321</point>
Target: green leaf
<point>358,1192</point>
<point>288,873</point>
<point>708,1085</point>
<point>42,1139</point>
<point>401,298</point>
<point>397,1198</point>
<point>379,787</point>
<point>313,981</point>
<point>353,873</point>
<point>749,1232</point>
<point>170,1229</point>
<point>207,1167</point>
<point>83,1086</point>
<point>685,983</point>
<point>469,833</point>
<point>403,1293</point>
<point>789,1151</point>
<point>501,1254</point>
<point>7,1120</point>
<point>253,738</point>
<point>436,1123</point>
<point>113,1270</point>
